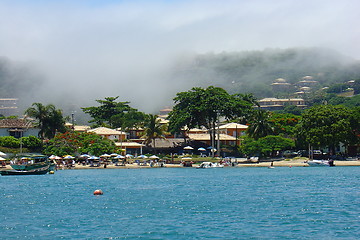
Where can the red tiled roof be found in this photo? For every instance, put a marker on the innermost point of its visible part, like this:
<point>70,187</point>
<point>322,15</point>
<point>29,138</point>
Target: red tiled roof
<point>15,123</point>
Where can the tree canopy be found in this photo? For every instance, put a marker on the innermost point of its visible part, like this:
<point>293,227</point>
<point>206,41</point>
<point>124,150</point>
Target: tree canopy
<point>114,114</point>
<point>328,126</point>
<point>201,107</point>
<point>260,124</point>
<point>266,146</point>
<point>50,119</point>
<point>153,129</point>
<point>74,143</point>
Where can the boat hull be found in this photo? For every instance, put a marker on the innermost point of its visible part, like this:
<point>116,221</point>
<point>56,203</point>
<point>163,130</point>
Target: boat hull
<point>29,167</point>
<point>320,163</point>
<point>38,171</point>
<point>14,172</point>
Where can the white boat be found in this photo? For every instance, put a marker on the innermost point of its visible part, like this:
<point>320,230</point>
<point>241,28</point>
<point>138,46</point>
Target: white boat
<point>320,163</point>
<point>210,165</point>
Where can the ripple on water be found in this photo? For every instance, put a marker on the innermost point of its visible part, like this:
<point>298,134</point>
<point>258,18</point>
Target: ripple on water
<point>229,203</point>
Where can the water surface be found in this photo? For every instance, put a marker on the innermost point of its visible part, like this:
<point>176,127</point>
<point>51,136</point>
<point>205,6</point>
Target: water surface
<point>183,203</point>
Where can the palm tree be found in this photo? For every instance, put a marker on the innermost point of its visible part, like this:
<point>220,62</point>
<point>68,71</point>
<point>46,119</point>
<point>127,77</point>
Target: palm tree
<point>260,126</point>
<point>50,119</point>
<point>153,129</point>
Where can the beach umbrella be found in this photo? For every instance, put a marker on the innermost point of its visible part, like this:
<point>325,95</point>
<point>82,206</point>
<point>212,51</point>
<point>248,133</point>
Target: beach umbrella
<point>2,159</point>
<point>93,158</point>
<point>201,149</point>
<point>188,148</point>
<point>143,156</point>
<point>85,156</point>
<point>52,157</point>
<point>114,154</point>
<point>119,157</point>
<point>68,157</point>
<point>2,154</point>
<point>105,155</point>
<point>58,158</point>
<point>153,157</point>
<point>129,155</point>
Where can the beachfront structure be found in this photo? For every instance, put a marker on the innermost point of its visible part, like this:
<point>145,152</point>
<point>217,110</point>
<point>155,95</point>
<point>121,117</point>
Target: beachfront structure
<point>78,128</point>
<point>131,147</point>
<point>109,133</point>
<point>205,139</point>
<point>278,104</point>
<point>8,107</point>
<point>18,128</point>
<point>233,129</point>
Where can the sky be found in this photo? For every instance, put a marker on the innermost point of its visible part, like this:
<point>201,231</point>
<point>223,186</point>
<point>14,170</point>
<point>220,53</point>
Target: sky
<point>87,50</point>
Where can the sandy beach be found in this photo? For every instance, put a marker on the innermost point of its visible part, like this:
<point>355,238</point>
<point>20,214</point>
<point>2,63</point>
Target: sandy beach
<point>282,163</point>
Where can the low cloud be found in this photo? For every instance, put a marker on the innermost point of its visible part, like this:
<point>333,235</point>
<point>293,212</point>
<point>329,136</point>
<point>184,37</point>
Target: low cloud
<point>87,50</point>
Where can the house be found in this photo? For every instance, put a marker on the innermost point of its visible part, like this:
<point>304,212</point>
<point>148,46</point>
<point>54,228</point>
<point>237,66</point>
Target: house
<point>109,133</point>
<point>205,138</point>
<point>280,84</point>
<point>18,128</point>
<point>130,147</point>
<point>278,104</point>
<point>8,107</point>
<point>78,128</point>
<point>233,129</point>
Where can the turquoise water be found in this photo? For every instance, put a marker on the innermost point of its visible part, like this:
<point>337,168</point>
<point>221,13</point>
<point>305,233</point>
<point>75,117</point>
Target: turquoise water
<point>184,203</point>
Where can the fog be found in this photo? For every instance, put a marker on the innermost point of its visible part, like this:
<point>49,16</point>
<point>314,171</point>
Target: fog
<point>87,50</point>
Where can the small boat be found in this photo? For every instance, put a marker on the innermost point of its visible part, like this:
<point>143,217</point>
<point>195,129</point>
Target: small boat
<point>38,171</point>
<point>31,162</point>
<point>321,163</point>
<point>210,165</point>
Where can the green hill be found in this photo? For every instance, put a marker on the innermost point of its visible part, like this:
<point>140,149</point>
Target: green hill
<point>254,71</point>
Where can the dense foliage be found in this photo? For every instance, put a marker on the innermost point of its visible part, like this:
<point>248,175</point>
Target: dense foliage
<point>114,114</point>
<point>73,143</point>
<point>153,129</point>
<point>50,119</point>
<point>284,124</point>
<point>328,126</point>
<point>267,146</point>
<point>203,107</point>
<point>31,142</point>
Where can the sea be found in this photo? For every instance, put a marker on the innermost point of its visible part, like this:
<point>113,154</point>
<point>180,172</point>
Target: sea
<point>183,203</point>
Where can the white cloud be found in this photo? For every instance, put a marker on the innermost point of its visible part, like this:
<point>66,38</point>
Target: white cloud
<point>110,48</point>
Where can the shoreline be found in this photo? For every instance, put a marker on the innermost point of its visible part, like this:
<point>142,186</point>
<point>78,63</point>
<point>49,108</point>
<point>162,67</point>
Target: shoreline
<point>283,163</point>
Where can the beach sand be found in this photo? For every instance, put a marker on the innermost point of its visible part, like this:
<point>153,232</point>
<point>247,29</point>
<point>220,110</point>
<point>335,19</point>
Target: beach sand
<point>283,163</point>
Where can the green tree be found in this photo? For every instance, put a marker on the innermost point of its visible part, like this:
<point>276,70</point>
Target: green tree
<point>284,124</point>
<point>266,146</point>
<point>74,143</point>
<point>114,114</point>
<point>260,124</point>
<point>9,141</point>
<point>272,144</point>
<point>201,107</point>
<point>50,119</point>
<point>328,126</point>
<point>153,129</point>
<point>31,142</point>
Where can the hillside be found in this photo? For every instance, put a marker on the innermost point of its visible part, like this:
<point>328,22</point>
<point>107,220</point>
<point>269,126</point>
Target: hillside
<point>254,71</point>
<point>18,80</point>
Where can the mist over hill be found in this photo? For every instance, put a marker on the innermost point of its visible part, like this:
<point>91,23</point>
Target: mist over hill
<point>254,71</point>
<point>237,72</point>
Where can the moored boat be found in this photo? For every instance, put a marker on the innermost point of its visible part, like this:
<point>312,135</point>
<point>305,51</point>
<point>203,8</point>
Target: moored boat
<point>321,163</point>
<point>30,162</point>
<point>37,171</point>
<point>210,165</point>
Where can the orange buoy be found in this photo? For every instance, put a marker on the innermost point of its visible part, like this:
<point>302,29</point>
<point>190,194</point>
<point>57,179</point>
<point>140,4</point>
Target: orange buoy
<point>98,192</point>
